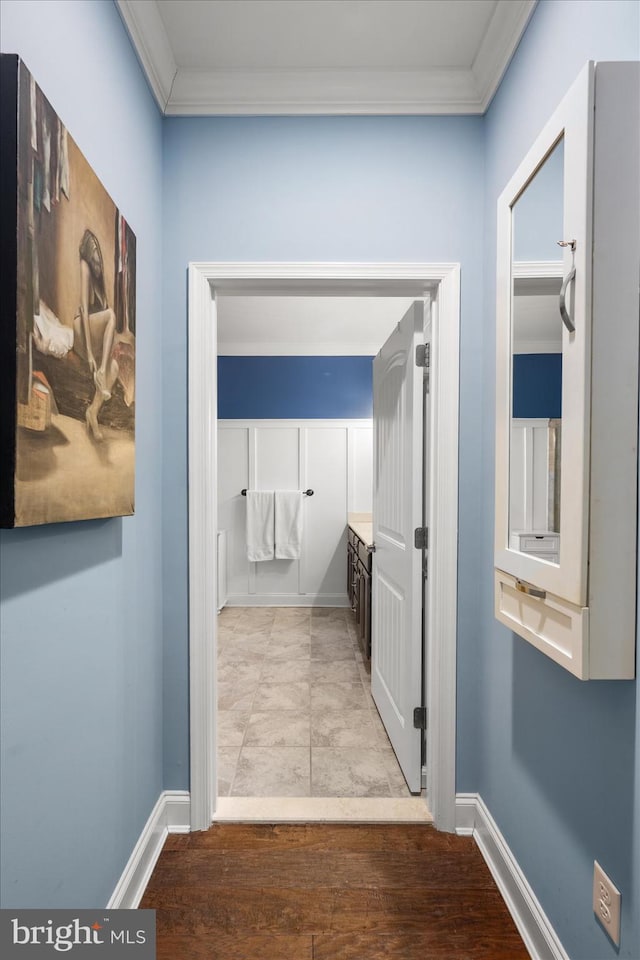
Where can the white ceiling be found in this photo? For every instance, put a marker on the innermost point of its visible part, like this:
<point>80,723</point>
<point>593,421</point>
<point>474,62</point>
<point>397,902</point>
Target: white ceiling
<point>216,57</point>
<point>324,326</point>
<point>209,57</point>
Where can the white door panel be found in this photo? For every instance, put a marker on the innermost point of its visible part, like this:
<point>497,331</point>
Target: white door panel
<point>396,656</point>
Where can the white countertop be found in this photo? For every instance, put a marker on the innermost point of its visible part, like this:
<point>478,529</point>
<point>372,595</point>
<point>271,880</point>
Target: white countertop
<point>362,526</point>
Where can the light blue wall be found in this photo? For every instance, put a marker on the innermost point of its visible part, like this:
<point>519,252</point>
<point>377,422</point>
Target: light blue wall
<point>319,188</point>
<point>83,722</point>
<point>81,603</point>
<point>295,388</point>
<point>537,213</point>
<point>561,758</point>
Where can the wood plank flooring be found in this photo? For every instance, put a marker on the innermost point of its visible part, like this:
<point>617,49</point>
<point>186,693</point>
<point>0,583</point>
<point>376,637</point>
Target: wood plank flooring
<point>328,892</point>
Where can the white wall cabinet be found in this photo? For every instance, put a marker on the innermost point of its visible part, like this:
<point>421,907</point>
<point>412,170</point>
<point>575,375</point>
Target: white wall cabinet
<point>332,457</point>
<point>579,606</point>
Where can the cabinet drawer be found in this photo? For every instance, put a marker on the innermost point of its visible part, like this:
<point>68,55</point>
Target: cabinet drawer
<point>558,628</point>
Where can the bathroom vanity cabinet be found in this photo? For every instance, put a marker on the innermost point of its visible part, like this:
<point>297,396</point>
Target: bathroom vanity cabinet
<point>359,559</point>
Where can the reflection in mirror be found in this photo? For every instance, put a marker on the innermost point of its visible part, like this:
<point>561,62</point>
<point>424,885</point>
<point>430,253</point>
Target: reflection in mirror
<point>536,373</point>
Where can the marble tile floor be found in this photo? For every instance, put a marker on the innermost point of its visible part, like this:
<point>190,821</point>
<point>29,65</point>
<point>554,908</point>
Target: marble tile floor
<point>295,712</point>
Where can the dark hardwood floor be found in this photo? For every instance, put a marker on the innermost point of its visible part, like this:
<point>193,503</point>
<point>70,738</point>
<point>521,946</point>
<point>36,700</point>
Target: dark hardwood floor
<point>328,892</point>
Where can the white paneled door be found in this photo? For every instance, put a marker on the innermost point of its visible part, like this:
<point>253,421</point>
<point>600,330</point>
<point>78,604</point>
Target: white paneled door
<point>396,655</point>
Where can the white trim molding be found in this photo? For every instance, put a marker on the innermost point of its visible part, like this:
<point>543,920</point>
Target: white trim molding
<point>537,269</point>
<point>508,23</point>
<point>442,282</point>
<point>149,37</point>
<point>169,815</point>
<point>288,600</point>
<point>288,348</point>
<point>327,92</point>
<point>473,819</point>
<point>183,91</point>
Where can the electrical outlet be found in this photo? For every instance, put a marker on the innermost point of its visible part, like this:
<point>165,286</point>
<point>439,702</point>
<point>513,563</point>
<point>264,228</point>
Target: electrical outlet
<point>606,902</point>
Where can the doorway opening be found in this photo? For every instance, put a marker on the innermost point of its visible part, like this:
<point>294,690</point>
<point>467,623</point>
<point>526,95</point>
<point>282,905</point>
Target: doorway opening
<point>208,284</point>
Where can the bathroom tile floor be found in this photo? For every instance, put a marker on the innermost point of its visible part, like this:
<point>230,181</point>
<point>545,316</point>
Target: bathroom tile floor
<point>295,712</point>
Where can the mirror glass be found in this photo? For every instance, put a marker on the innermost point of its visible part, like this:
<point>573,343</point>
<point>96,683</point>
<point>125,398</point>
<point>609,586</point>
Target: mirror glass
<point>536,363</point>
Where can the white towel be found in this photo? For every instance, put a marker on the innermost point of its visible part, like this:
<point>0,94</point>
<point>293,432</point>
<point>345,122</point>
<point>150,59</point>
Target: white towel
<point>288,524</point>
<point>260,526</point>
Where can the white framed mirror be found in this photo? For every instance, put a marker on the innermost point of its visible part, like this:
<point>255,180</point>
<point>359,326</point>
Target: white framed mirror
<point>535,440</point>
<point>567,339</point>
<point>542,425</point>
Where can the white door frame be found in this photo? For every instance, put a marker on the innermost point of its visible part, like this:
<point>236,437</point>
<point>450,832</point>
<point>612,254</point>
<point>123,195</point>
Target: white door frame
<point>364,279</point>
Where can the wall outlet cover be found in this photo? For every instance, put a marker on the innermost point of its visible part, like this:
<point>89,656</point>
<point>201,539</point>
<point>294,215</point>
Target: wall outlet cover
<point>606,902</point>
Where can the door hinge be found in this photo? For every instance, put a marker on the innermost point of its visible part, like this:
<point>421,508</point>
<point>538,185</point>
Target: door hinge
<point>421,538</point>
<point>423,359</point>
<point>423,355</point>
<point>420,718</point>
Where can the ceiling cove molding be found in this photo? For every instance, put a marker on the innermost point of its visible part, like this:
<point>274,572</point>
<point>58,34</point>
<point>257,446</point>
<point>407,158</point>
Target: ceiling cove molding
<point>149,37</point>
<point>295,92</point>
<point>508,23</point>
<point>188,92</point>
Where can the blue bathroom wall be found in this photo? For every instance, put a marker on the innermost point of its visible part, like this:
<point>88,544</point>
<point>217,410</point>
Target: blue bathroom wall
<point>359,189</point>
<point>81,614</point>
<point>537,385</point>
<point>561,757</point>
<point>296,388</point>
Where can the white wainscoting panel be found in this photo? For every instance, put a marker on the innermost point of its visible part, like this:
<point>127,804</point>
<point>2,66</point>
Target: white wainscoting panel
<point>233,476</point>
<point>324,563</point>
<point>529,475</point>
<point>221,554</point>
<point>333,457</point>
<point>360,460</point>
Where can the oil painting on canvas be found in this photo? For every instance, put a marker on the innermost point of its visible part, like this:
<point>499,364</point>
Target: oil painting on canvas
<point>67,323</point>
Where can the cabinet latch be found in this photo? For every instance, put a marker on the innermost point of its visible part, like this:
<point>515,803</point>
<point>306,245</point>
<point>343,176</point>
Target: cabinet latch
<point>420,718</point>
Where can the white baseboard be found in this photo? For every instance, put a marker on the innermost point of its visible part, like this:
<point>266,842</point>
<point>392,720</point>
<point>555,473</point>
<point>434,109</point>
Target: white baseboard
<point>473,818</point>
<point>288,600</point>
<point>466,804</point>
<point>171,814</point>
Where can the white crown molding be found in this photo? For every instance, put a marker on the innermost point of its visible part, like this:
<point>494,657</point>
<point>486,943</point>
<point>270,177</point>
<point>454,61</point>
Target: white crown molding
<point>189,92</point>
<point>508,23</point>
<point>537,269</point>
<point>295,92</point>
<point>149,37</point>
